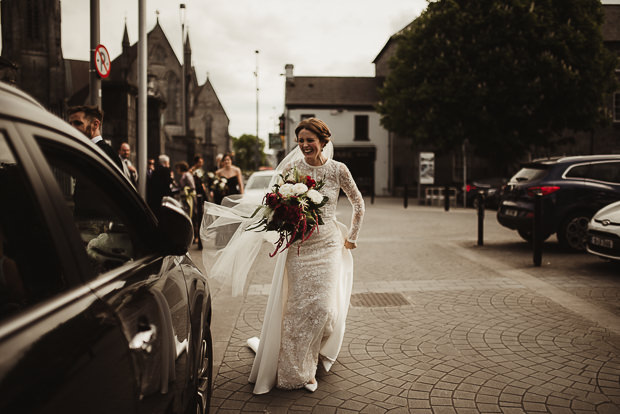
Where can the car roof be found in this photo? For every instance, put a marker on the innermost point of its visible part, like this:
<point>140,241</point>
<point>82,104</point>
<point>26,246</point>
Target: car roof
<point>574,159</point>
<point>17,104</point>
<point>263,172</point>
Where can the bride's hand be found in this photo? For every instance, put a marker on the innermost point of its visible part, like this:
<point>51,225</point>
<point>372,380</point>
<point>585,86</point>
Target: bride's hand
<point>349,245</point>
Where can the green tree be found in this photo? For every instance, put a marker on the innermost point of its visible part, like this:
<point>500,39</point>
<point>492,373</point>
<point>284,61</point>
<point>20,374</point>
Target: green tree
<point>245,148</point>
<point>503,74</point>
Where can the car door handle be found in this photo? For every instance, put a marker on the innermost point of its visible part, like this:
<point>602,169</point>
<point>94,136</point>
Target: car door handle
<point>143,340</point>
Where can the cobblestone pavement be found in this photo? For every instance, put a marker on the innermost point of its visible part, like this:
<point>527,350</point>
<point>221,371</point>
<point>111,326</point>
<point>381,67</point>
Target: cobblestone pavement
<point>441,325</point>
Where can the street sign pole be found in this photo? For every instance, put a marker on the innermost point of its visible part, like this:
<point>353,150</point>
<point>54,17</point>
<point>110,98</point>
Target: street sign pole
<point>95,81</point>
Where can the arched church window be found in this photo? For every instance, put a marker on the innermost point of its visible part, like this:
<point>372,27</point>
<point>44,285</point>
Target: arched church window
<point>33,22</point>
<point>173,98</point>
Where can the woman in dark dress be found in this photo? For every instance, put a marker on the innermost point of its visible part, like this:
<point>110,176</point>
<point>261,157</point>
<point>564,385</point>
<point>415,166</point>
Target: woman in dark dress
<point>234,179</point>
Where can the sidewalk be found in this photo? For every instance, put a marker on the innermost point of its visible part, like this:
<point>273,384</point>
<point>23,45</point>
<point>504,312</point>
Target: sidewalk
<point>438,324</point>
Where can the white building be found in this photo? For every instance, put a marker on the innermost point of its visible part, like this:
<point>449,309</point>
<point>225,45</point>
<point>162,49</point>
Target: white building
<point>346,105</point>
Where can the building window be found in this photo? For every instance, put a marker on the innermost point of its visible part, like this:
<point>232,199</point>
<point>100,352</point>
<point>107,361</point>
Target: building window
<point>361,128</point>
<point>616,107</point>
<point>173,98</point>
<point>33,22</point>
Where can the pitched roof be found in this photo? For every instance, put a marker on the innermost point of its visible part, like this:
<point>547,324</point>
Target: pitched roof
<point>391,40</point>
<point>331,91</point>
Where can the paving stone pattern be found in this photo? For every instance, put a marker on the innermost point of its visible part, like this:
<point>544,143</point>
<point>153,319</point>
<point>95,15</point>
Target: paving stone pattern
<point>469,340</point>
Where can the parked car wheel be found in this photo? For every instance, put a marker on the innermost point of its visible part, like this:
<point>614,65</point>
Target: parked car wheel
<point>573,231</point>
<point>202,368</point>
<point>205,374</point>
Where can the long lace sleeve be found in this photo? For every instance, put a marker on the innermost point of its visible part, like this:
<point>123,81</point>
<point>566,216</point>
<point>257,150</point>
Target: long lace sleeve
<point>355,198</point>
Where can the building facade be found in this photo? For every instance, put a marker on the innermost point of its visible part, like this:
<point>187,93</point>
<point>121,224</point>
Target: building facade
<point>346,105</point>
<point>392,161</point>
<point>180,122</point>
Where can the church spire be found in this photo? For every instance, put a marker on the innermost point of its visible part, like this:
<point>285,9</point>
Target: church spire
<point>187,47</point>
<point>125,36</point>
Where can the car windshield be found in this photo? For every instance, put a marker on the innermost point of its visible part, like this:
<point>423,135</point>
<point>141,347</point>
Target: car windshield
<point>528,174</point>
<point>258,181</point>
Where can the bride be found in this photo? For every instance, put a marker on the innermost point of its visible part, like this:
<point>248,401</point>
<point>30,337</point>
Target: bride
<point>307,307</point>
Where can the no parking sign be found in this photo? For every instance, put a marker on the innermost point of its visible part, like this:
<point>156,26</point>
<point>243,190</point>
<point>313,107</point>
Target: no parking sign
<point>102,61</point>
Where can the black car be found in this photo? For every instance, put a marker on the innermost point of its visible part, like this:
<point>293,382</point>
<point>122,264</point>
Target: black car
<point>573,189</point>
<point>101,308</point>
<point>491,189</point>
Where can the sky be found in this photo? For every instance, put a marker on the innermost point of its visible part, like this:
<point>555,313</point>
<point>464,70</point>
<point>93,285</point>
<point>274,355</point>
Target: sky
<point>319,37</point>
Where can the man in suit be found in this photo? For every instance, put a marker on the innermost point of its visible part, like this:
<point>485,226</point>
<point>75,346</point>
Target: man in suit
<point>159,185</point>
<point>125,153</point>
<point>88,120</point>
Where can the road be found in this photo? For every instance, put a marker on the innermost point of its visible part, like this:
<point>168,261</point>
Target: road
<point>439,324</point>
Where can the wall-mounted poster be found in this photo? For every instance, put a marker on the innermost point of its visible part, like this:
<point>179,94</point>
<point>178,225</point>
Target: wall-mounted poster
<point>427,168</point>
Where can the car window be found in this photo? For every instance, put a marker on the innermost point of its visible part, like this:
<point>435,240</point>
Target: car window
<point>605,171</point>
<point>578,171</point>
<point>259,181</point>
<point>528,174</point>
<point>104,216</point>
<point>30,271</point>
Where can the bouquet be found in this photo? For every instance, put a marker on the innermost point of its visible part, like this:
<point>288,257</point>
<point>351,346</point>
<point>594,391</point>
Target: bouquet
<point>292,209</point>
<point>217,184</point>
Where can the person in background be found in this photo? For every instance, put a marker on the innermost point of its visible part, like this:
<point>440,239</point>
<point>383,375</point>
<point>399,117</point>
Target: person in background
<point>124,153</point>
<point>187,188</point>
<point>150,167</point>
<point>201,196</point>
<point>89,121</point>
<point>160,184</point>
<point>232,178</point>
<point>210,181</point>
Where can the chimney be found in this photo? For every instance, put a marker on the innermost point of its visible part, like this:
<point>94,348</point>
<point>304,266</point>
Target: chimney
<point>288,71</point>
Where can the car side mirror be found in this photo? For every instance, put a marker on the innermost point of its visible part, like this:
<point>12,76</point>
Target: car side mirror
<point>175,228</point>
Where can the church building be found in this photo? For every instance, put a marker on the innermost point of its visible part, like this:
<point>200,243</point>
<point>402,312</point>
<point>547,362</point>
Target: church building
<point>179,124</point>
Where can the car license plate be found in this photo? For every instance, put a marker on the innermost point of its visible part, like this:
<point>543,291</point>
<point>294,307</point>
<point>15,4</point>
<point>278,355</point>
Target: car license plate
<point>511,212</point>
<point>599,241</point>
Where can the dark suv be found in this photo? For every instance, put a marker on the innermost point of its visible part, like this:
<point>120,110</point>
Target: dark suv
<point>573,189</point>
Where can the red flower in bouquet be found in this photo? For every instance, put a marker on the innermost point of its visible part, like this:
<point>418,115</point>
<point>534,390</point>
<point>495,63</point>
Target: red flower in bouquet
<point>292,208</point>
<point>310,182</point>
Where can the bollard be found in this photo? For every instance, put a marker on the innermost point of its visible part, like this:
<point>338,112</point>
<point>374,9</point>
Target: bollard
<point>537,230</point>
<point>446,198</point>
<point>480,198</point>
<point>405,197</point>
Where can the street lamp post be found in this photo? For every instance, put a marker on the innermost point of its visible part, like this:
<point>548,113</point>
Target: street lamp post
<point>182,15</point>
<point>257,141</point>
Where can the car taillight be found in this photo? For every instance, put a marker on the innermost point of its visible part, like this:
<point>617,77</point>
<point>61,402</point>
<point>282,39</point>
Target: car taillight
<point>544,190</point>
<point>470,187</point>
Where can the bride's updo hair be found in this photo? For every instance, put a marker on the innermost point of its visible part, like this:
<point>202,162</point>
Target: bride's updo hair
<point>317,127</point>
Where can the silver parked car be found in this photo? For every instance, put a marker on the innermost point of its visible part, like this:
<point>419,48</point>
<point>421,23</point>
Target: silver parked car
<point>604,232</point>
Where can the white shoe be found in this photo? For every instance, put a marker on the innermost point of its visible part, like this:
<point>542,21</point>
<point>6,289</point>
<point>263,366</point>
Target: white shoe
<point>327,364</point>
<point>312,386</point>
<point>253,343</point>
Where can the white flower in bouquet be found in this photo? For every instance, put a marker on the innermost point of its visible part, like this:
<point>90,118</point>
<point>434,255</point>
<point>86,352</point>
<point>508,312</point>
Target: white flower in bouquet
<point>287,190</point>
<point>222,185</point>
<point>299,189</point>
<point>315,196</point>
<point>210,175</point>
<point>223,180</point>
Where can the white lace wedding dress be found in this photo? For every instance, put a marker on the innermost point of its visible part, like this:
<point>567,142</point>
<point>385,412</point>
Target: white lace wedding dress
<point>311,288</point>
